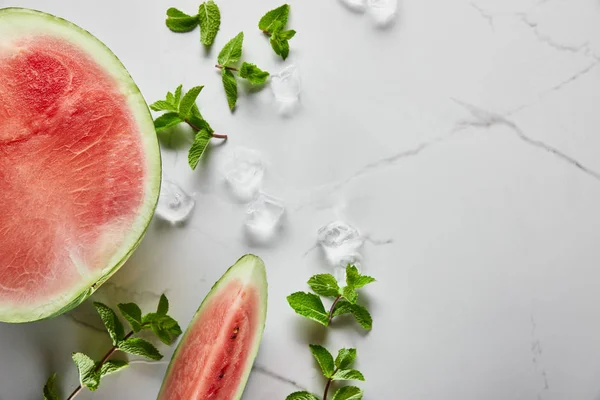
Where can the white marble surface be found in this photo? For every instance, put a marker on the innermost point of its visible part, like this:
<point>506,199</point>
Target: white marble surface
<point>462,140</point>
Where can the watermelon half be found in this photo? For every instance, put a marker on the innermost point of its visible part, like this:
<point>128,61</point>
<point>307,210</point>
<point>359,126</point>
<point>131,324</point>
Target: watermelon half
<point>215,356</point>
<point>79,165</point>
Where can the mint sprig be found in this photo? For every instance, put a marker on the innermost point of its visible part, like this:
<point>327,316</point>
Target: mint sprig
<point>91,372</point>
<point>227,61</point>
<point>334,370</point>
<point>273,25</point>
<point>208,18</point>
<point>311,306</point>
<point>182,108</point>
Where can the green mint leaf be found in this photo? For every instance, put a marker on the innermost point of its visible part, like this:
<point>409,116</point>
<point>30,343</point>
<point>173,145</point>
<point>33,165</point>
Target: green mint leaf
<point>177,96</point>
<point>50,391</point>
<point>198,147</point>
<point>166,121</point>
<point>88,375</point>
<point>232,52</point>
<point>198,122</point>
<point>301,396</point>
<point>325,285</point>
<point>210,22</point>
<point>188,101</point>
<point>253,74</point>
<point>324,358</point>
<point>355,279</point>
<point>149,318</point>
<point>178,21</point>
<point>132,313</point>
<point>310,306</point>
<point>163,305</point>
<point>230,85</point>
<point>111,322</point>
<point>348,393</point>
<point>360,313</point>
<point>140,347</point>
<point>348,375</point>
<point>170,98</point>
<point>345,358</point>
<point>162,334</point>
<point>350,294</point>
<point>163,105</point>
<point>287,35</point>
<point>166,328</point>
<point>280,46</point>
<point>277,16</point>
<point>110,367</point>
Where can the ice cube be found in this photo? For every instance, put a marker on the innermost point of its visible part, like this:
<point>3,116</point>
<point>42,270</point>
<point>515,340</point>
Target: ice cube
<point>264,218</point>
<point>174,205</point>
<point>286,88</point>
<point>382,12</point>
<point>244,173</point>
<point>341,243</point>
<point>355,5</point>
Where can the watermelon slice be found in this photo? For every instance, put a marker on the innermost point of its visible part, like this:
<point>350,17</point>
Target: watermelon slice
<point>215,356</point>
<point>79,165</point>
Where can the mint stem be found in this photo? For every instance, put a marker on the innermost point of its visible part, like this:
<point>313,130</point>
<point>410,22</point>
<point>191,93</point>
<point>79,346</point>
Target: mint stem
<point>331,311</point>
<point>328,385</point>
<point>229,68</point>
<point>215,135</point>
<point>104,359</point>
<point>267,33</point>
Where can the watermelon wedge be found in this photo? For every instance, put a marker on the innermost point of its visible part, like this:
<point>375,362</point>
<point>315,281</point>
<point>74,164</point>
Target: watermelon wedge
<point>215,355</point>
<point>79,165</point>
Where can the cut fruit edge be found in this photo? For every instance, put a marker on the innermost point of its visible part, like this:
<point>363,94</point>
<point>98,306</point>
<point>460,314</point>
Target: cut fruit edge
<point>15,22</point>
<point>249,269</point>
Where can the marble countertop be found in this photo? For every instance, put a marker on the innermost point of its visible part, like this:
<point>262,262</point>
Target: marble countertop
<point>461,140</point>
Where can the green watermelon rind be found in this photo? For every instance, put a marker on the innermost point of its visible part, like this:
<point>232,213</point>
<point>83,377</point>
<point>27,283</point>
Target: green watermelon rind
<point>102,55</point>
<point>258,274</point>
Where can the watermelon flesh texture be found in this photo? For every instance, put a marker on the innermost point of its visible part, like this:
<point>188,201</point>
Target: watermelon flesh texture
<point>79,165</point>
<point>215,356</point>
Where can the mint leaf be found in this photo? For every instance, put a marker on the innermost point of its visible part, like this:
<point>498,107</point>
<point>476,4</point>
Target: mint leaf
<point>348,375</point>
<point>198,122</point>
<point>345,358</point>
<point>50,391</point>
<point>355,279</point>
<point>310,306</point>
<point>111,322</point>
<point>230,85</point>
<point>325,285</point>
<point>232,52</point>
<point>178,21</point>
<point>348,393</point>
<point>88,375</point>
<point>280,46</point>
<point>210,22</point>
<point>140,347</point>
<point>166,121</point>
<point>324,358</point>
<point>110,367</point>
<point>163,305</point>
<point>253,74</point>
<point>287,35</point>
<point>198,147</point>
<point>177,96</point>
<point>166,328</point>
<point>301,396</point>
<point>132,313</point>
<point>188,101</point>
<point>163,105</point>
<point>359,312</point>
<point>350,294</point>
<point>271,18</point>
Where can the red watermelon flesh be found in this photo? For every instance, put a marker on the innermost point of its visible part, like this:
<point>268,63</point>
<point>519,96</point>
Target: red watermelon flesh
<point>217,352</point>
<point>74,168</point>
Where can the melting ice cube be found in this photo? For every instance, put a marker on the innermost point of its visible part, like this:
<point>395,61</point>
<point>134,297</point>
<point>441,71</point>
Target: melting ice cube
<point>355,5</point>
<point>264,218</point>
<point>244,174</point>
<point>341,243</point>
<point>383,12</point>
<point>174,205</point>
<point>286,88</point>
